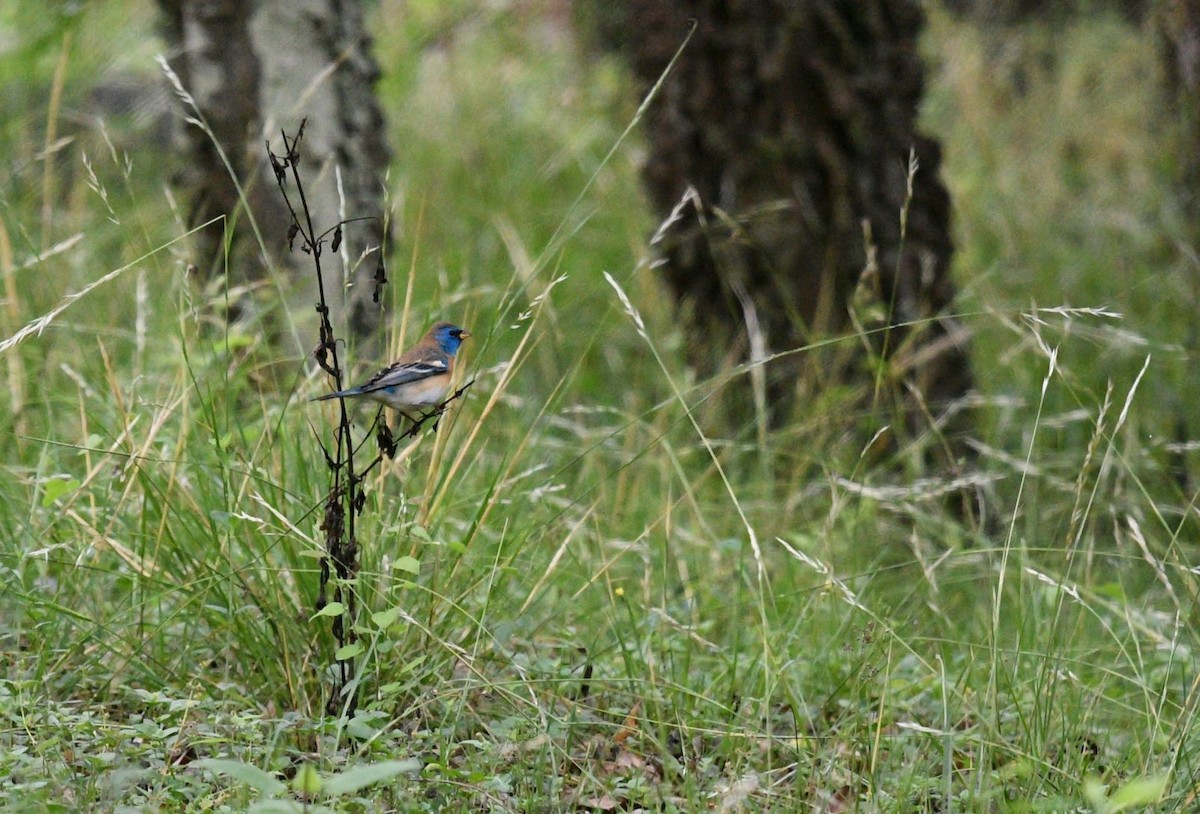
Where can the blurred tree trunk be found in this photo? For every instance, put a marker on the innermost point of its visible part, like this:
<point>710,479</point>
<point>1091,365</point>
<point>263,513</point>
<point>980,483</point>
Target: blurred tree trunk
<point>1179,33</point>
<point>1179,24</point>
<point>1009,12</point>
<point>254,67</point>
<point>793,122</point>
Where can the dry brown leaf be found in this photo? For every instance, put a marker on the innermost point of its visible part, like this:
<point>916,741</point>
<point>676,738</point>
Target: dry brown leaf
<point>602,803</point>
<point>629,726</point>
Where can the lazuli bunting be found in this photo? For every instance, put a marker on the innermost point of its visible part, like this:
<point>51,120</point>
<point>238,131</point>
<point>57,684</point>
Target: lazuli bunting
<point>419,378</point>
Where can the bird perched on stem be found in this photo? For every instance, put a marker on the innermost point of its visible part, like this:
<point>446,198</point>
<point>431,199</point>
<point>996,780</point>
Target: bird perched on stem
<point>419,378</point>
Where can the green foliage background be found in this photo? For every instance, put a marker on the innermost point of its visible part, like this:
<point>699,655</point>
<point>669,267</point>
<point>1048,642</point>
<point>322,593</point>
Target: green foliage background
<point>583,590</point>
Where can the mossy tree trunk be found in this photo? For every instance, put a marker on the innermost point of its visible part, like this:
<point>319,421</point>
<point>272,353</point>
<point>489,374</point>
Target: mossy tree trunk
<point>254,67</point>
<point>792,125</point>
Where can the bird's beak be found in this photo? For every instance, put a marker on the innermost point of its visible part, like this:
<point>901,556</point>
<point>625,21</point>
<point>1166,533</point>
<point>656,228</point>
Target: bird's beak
<point>464,335</point>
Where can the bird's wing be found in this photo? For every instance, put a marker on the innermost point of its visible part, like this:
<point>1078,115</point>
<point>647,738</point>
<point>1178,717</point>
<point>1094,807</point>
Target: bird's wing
<point>403,372</point>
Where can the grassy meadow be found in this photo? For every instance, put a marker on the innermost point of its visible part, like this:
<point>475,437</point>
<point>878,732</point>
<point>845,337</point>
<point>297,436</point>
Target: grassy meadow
<point>583,593</point>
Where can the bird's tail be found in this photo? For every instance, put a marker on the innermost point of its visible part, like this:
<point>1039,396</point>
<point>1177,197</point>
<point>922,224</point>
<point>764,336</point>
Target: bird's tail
<point>338,394</point>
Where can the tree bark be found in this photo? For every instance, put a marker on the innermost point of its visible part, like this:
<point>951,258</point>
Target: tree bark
<point>1179,26</point>
<point>254,67</point>
<point>1178,23</point>
<point>792,123</point>
<point>1011,12</point>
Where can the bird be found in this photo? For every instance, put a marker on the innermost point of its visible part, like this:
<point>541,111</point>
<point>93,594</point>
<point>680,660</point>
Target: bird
<point>419,378</point>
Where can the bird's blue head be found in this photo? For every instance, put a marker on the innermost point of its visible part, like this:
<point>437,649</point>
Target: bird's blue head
<point>449,337</point>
